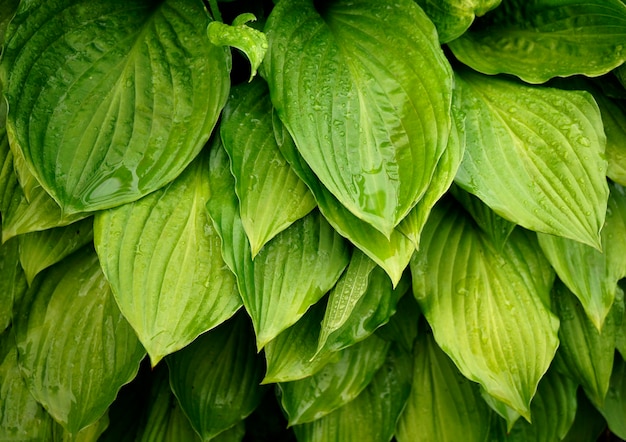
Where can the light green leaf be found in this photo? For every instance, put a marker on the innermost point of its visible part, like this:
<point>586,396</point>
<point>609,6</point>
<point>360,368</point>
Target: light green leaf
<point>21,417</point>
<point>40,250</point>
<point>454,17</point>
<point>216,378</point>
<point>372,415</point>
<point>162,257</point>
<point>365,90</point>
<point>489,309</point>
<point>90,433</point>
<point>334,385</point>
<point>614,408</point>
<point>75,348</point>
<point>251,42</point>
<point>590,274</point>
<point>291,273</point>
<point>12,281</point>
<point>271,196</point>
<point>443,405</point>
<point>509,415</point>
<point>535,155</point>
<point>586,354</point>
<point>553,410</point>
<point>542,39</point>
<point>392,254</point>
<point>110,100</point>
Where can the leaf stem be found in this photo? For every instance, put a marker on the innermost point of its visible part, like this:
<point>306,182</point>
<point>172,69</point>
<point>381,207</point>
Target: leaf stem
<point>215,11</point>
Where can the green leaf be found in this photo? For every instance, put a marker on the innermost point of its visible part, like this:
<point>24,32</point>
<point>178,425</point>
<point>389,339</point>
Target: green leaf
<point>614,408</point>
<point>251,42</point>
<point>216,378</point>
<point>614,119</point>
<point>402,327</point>
<point>453,17</point>
<point>587,354</point>
<point>542,39</point>
<point>271,196</point>
<point>365,91</point>
<point>334,385</point>
<point>392,254</point>
<point>7,10</point>
<point>110,100</point>
<point>588,423</point>
<point>509,415</point>
<point>553,410</point>
<point>372,416</point>
<point>535,155</point>
<point>21,417</point>
<point>291,273</point>
<point>162,257</point>
<point>488,308</point>
<point>40,250</point>
<point>590,274</point>
<point>620,335</point>
<point>12,281</point>
<point>75,348</point>
<point>443,405</point>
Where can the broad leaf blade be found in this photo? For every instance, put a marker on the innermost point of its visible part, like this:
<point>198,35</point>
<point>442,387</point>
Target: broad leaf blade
<point>365,91</point>
<point>128,113</point>
<point>443,405</point>
<point>471,294</point>
<point>163,260</point>
<point>614,408</point>
<point>588,423</point>
<point>535,155</point>
<point>590,274</point>
<point>75,348</point>
<point>13,283</point>
<point>271,196</point>
<point>216,378</point>
<point>542,39</point>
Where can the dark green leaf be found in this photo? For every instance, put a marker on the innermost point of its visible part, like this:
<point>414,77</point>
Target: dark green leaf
<point>588,422</point>
<point>365,90</point>
<point>614,408</point>
<point>12,281</point>
<point>110,100</point>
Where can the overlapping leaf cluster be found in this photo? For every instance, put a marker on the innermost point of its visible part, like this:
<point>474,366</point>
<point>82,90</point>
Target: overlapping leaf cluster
<point>410,224</point>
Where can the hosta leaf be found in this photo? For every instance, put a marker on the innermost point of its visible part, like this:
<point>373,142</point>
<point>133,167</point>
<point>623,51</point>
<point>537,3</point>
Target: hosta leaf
<point>614,119</point>
<point>6,14</point>
<point>453,17</point>
<point>373,414</point>
<point>443,405</point>
<point>553,410</point>
<point>90,433</point>
<point>293,354</point>
<point>392,254</point>
<point>489,309</point>
<point>110,100</point>
<point>509,415</point>
<point>402,327</point>
<point>587,354</point>
<point>535,155</point>
<point>588,423</point>
<point>590,274</point>
<point>271,196</point>
<point>39,250</point>
<point>12,281</point>
<point>365,91</point>
<point>21,417</point>
<point>620,335</point>
<point>75,348</point>
<point>292,272</point>
<point>163,260</point>
<point>542,39</point>
<point>334,385</point>
<point>614,408</point>
<point>216,378</point>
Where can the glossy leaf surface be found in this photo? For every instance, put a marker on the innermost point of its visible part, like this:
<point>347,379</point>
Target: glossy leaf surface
<point>535,155</point>
<point>163,259</point>
<point>75,348</point>
<point>271,196</point>
<point>541,39</point>
<point>471,294</point>
<point>365,90</point>
<point>132,92</point>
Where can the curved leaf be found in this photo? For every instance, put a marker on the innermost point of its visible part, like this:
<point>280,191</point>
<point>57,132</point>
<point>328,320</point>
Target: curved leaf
<point>75,348</point>
<point>291,273</point>
<point>588,423</point>
<point>216,378</point>
<point>334,385</point>
<point>489,309</point>
<point>614,408</point>
<point>614,119</point>
<point>541,39</point>
<point>13,283</point>
<point>271,196</point>
<point>162,258</point>
<point>535,155</point>
<point>365,91</point>
<point>110,100</point>
<point>592,275</point>
<point>443,405</point>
